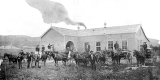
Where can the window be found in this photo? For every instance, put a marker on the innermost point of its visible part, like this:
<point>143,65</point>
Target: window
<point>124,44</point>
<point>110,44</point>
<point>98,46</point>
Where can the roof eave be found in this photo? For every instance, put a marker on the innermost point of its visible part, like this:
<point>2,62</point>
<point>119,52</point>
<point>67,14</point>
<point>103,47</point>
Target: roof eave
<point>45,32</point>
<point>144,33</point>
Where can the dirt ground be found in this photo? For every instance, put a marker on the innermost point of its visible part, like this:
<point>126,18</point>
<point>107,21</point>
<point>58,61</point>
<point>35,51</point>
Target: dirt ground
<point>73,72</point>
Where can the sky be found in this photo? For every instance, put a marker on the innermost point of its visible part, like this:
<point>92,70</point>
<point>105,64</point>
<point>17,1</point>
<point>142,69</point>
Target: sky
<point>18,18</point>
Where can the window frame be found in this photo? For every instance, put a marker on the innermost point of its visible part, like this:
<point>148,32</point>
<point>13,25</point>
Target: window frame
<point>98,46</point>
<point>126,45</point>
<point>109,45</point>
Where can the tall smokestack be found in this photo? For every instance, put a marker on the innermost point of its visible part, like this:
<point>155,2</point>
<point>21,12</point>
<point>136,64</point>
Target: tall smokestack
<point>81,24</point>
<point>52,12</point>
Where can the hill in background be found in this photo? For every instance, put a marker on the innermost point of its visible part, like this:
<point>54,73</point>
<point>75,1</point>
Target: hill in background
<point>17,41</point>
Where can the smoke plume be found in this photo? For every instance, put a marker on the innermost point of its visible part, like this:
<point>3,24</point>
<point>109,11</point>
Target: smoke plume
<point>53,12</point>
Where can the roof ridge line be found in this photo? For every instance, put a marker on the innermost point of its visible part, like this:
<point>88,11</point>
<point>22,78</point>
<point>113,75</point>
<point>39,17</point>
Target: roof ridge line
<point>111,27</point>
<point>62,28</point>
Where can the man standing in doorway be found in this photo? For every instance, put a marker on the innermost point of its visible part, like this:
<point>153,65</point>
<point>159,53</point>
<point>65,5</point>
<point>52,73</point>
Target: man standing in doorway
<point>116,45</point>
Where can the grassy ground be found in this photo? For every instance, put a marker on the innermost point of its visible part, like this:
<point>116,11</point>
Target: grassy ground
<point>72,72</point>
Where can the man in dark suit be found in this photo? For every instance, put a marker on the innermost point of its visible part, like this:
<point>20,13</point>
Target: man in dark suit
<point>116,45</point>
<point>29,58</point>
<point>49,46</point>
<point>22,53</point>
<point>92,60</point>
<point>145,47</point>
<point>37,49</point>
<point>43,48</point>
<point>20,58</point>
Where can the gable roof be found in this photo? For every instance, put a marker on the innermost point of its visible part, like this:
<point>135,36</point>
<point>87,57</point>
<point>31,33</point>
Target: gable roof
<point>65,31</point>
<point>109,30</point>
<point>98,31</point>
<point>144,34</point>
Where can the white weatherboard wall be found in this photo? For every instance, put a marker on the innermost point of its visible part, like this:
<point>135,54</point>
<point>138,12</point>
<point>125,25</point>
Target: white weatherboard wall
<point>53,37</point>
<point>130,37</point>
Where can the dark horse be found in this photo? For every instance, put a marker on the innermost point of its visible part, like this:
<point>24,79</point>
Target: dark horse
<point>44,57</point>
<point>139,56</point>
<point>115,57</point>
<point>11,58</point>
<point>100,57</point>
<point>37,58</point>
<point>59,57</point>
<point>81,58</point>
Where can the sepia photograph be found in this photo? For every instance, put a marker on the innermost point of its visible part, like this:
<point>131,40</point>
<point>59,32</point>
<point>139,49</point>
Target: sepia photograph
<point>79,40</point>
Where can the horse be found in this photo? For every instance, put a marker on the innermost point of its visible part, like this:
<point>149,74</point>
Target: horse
<point>39,57</point>
<point>59,57</point>
<point>100,57</point>
<point>44,57</point>
<point>35,57</point>
<point>116,56</point>
<point>81,58</point>
<point>129,57</point>
<point>11,58</point>
<point>48,53</point>
<point>139,57</point>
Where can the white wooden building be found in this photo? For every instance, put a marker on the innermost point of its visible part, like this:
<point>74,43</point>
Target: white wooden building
<point>128,36</point>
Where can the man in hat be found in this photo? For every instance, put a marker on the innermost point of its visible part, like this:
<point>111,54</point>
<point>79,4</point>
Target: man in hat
<point>20,58</point>
<point>145,47</point>
<point>116,45</point>
<point>37,49</point>
<point>92,60</point>
<point>142,50</point>
<point>43,48</point>
<point>49,46</point>
<point>22,53</point>
<point>3,69</point>
<point>29,58</point>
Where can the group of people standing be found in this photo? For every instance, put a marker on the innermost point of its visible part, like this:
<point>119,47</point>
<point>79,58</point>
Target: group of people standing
<point>43,48</point>
<point>21,57</point>
<point>29,56</point>
<point>92,56</point>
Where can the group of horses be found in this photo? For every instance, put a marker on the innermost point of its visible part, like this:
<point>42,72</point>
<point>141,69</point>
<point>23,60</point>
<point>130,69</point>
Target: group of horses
<point>25,58</point>
<point>70,56</point>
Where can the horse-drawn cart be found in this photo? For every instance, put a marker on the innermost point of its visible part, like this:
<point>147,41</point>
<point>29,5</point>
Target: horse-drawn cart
<point>124,54</point>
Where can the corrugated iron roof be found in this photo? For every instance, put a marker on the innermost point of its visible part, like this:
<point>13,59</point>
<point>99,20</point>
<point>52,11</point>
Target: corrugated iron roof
<point>98,31</point>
